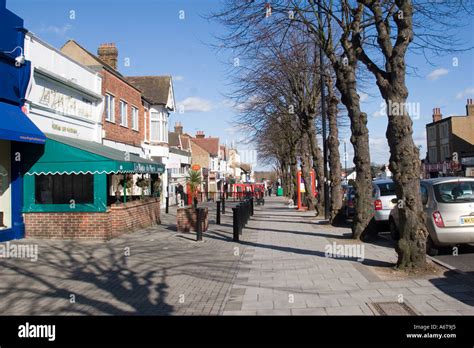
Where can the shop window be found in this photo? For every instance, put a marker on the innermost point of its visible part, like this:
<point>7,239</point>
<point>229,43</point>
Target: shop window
<point>62,189</point>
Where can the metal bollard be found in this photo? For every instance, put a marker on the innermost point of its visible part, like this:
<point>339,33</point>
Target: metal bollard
<point>218,215</point>
<point>235,212</point>
<point>241,217</point>
<point>199,214</point>
<point>167,204</point>
<point>251,206</point>
<point>247,211</point>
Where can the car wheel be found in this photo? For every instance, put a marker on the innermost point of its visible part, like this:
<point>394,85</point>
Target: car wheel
<point>394,232</point>
<point>431,248</point>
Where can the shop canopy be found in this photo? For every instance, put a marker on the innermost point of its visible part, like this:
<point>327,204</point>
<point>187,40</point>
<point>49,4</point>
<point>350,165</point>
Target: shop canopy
<point>64,155</point>
<point>16,126</point>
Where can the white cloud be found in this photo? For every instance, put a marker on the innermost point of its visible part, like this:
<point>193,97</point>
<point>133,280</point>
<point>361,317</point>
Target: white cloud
<point>465,93</point>
<point>437,73</point>
<point>178,78</point>
<point>195,104</point>
<point>61,31</point>
<point>363,96</point>
<point>379,113</point>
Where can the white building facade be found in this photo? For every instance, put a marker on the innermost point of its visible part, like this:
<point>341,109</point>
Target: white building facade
<point>64,97</point>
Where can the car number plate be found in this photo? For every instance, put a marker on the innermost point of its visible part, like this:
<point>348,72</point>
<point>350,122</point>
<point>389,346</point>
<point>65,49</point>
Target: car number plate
<point>467,220</point>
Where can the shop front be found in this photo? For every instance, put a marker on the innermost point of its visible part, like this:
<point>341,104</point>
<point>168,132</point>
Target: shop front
<point>78,189</point>
<point>16,130</point>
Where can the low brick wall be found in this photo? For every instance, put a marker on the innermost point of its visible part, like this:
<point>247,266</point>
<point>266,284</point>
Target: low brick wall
<point>133,216</point>
<point>186,219</point>
<point>118,219</point>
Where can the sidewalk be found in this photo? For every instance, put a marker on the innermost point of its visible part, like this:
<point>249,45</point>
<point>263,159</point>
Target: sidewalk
<point>279,268</point>
<point>285,271</point>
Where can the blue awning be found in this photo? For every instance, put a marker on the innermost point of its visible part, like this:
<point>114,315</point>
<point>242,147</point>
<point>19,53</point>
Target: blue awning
<point>16,126</point>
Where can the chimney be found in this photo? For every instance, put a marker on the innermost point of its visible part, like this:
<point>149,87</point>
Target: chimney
<point>470,107</point>
<point>437,115</point>
<point>200,135</point>
<point>109,54</point>
<point>178,128</point>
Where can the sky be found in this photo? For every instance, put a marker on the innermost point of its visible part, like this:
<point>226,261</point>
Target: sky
<point>173,37</point>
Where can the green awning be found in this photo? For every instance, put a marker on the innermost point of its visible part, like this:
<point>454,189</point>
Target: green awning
<point>64,155</point>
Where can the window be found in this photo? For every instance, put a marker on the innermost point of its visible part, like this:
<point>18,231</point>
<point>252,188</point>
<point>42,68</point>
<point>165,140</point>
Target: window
<point>134,118</point>
<point>424,194</point>
<point>154,126</point>
<point>62,189</point>
<point>109,108</point>
<point>444,130</point>
<point>432,155</point>
<point>455,192</point>
<point>123,114</point>
<point>431,133</point>
<point>445,152</point>
<point>386,188</point>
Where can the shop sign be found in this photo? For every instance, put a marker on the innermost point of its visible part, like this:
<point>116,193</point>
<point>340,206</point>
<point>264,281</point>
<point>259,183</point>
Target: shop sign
<point>65,103</point>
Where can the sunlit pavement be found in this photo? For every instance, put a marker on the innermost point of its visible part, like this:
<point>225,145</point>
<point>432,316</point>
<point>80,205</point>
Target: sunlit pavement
<point>279,268</point>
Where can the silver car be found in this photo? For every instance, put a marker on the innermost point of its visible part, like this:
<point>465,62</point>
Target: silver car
<point>383,192</point>
<point>449,206</point>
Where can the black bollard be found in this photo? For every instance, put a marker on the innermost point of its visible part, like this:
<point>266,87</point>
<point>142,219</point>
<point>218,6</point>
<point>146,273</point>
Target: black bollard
<point>251,206</point>
<point>241,217</point>
<point>167,200</point>
<point>218,215</point>
<point>199,214</point>
<point>223,204</point>
<point>235,212</point>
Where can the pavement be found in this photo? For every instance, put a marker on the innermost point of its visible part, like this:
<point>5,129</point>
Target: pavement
<point>280,267</point>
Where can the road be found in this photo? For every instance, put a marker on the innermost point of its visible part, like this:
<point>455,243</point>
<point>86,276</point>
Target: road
<point>463,261</point>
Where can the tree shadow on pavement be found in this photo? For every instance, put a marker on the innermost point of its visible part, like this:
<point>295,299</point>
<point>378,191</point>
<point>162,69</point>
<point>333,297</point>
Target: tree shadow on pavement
<point>459,286</point>
<point>104,281</point>
<point>71,280</point>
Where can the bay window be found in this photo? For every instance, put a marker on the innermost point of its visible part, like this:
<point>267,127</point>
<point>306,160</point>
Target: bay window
<point>158,127</point>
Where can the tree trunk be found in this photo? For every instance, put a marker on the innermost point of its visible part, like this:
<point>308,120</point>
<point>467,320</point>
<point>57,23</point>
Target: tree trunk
<point>405,166</point>
<point>307,198</point>
<point>318,164</point>
<point>404,155</point>
<point>364,210</point>
<point>293,176</point>
<point>335,213</point>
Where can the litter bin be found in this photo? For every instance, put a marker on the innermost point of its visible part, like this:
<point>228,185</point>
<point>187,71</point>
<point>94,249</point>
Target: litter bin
<point>280,191</point>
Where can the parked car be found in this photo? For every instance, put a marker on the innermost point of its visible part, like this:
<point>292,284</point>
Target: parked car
<point>383,193</point>
<point>449,206</point>
<point>348,208</point>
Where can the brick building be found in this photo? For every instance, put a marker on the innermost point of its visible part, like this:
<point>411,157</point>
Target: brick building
<point>123,117</point>
<point>450,144</point>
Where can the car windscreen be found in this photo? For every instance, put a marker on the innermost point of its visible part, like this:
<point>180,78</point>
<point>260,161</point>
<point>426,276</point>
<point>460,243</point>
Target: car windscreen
<point>454,192</point>
<point>386,188</point>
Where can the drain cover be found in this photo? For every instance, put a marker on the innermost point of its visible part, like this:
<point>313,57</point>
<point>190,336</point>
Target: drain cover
<point>392,308</point>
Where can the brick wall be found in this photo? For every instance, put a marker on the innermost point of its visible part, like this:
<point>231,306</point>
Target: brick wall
<point>121,90</point>
<point>186,219</point>
<point>133,216</point>
<point>93,226</point>
<point>67,225</point>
